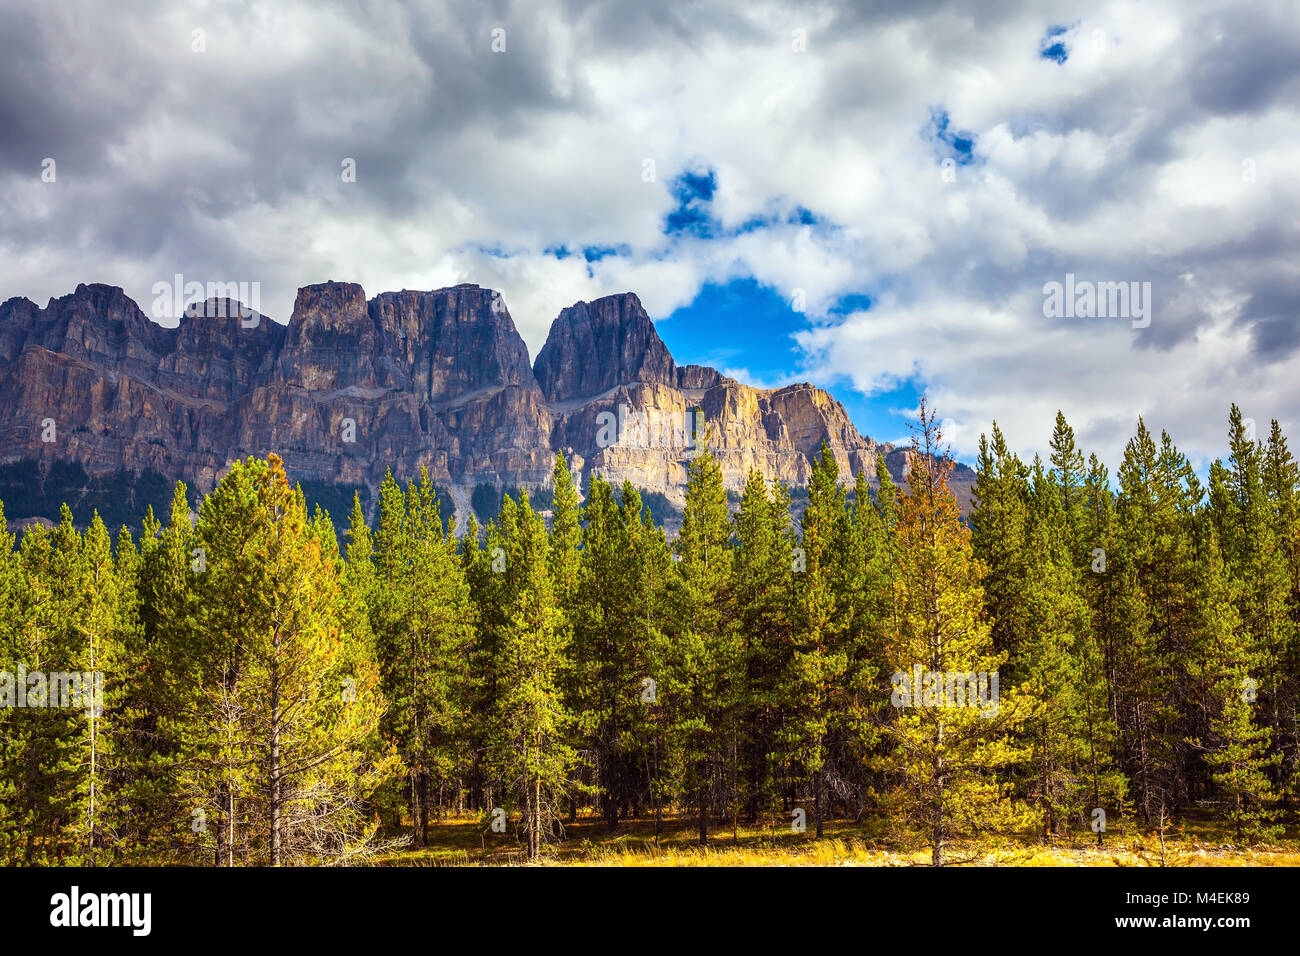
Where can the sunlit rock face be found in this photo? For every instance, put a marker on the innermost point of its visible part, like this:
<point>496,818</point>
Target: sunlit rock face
<point>352,387</point>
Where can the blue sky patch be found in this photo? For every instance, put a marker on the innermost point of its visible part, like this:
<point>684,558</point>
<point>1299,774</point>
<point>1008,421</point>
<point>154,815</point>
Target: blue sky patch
<point>855,302</point>
<point>743,324</point>
<point>596,253</point>
<point>957,145</point>
<point>885,415</point>
<point>693,215</point>
<point>497,251</point>
<point>1052,47</point>
<point>798,216</point>
<point>693,191</point>
<point>740,324</point>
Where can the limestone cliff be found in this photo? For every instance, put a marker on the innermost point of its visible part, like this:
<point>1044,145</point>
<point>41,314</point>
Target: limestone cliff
<point>352,387</point>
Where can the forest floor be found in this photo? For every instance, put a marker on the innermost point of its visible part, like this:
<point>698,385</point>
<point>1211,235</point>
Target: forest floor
<point>588,842</point>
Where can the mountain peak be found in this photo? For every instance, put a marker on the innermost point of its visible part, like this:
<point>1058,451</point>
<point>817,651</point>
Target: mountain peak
<point>597,345</point>
<point>437,379</point>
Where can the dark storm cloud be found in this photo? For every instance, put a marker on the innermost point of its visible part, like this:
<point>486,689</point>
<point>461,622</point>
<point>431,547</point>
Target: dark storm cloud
<point>638,26</point>
<point>1246,57</point>
<point>55,100</point>
<point>156,144</point>
<point>1273,316</point>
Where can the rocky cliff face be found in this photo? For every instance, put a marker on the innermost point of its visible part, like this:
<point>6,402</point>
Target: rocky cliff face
<point>604,363</point>
<point>352,387</point>
<point>595,346</point>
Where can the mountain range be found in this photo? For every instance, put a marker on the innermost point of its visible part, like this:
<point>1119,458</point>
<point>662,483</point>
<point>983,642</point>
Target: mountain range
<point>106,408</point>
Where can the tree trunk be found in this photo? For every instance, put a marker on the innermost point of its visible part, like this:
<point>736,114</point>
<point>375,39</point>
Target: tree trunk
<point>218,849</point>
<point>937,832</point>
<point>609,776</point>
<point>424,808</point>
<point>817,798</point>
<point>704,815</point>
<point>535,820</point>
<point>275,770</point>
<point>91,811</point>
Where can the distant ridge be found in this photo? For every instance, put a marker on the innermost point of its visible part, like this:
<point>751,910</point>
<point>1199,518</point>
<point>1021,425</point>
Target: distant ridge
<point>353,386</point>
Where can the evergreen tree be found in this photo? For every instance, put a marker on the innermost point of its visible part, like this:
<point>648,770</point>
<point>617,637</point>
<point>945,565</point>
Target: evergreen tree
<point>1281,475</point>
<point>1070,477</point>
<point>765,561</point>
<point>703,673</point>
<point>101,654</point>
<point>998,533</point>
<point>947,755</point>
<point>610,653</point>
<point>527,735</point>
<point>1237,747</point>
<point>423,621</point>
<point>122,836</point>
<point>48,733</point>
<point>13,601</point>
<point>1154,562</point>
<point>818,663</point>
<point>1069,731</point>
<point>303,723</point>
<point>1255,546</point>
<point>566,533</point>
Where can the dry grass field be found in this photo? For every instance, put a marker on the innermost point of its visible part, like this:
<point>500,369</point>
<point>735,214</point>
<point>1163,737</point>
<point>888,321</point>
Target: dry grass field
<point>587,842</point>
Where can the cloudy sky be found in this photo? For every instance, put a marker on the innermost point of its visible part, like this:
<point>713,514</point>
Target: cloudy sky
<point>867,196</point>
